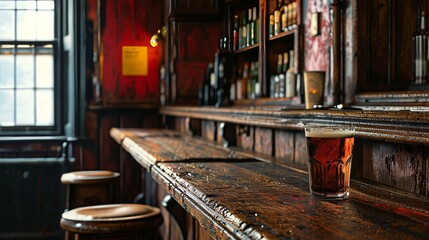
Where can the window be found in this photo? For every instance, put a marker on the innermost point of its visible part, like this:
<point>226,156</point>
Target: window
<point>28,66</point>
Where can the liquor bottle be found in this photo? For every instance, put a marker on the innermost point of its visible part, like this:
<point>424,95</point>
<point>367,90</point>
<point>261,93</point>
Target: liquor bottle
<point>294,15</point>
<point>290,15</point>
<point>253,82</point>
<point>212,89</point>
<point>285,67</point>
<point>240,34</point>
<point>244,80</point>
<point>277,14</point>
<point>282,76</point>
<point>256,79</point>
<point>235,34</point>
<point>244,31</point>
<point>423,48</point>
<point>254,28</point>
<point>278,86</point>
<point>284,16</point>
<point>291,77</point>
<point>249,26</point>
<point>271,28</point>
<point>206,93</point>
<point>239,85</point>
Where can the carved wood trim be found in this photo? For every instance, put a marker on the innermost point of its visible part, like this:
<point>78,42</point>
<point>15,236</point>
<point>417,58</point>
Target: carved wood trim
<point>395,126</point>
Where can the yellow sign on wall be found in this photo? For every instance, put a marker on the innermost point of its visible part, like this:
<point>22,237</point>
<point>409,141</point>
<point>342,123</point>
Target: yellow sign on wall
<point>134,61</point>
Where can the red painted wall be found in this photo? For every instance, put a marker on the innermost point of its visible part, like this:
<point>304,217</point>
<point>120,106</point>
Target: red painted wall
<point>129,23</point>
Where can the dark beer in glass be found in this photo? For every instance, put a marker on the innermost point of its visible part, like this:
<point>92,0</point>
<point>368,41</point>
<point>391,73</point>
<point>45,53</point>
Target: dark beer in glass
<point>329,160</point>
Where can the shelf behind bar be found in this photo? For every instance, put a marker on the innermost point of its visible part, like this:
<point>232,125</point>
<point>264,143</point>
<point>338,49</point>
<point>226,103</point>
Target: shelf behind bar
<point>395,126</point>
<point>283,34</point>
<point>245,49</point>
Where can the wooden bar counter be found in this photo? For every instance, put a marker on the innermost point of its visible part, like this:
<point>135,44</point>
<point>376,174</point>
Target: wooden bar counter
<point>236,197</point>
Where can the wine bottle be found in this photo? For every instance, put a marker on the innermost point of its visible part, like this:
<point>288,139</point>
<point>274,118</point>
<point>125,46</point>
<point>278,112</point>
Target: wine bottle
<point>291,77</point>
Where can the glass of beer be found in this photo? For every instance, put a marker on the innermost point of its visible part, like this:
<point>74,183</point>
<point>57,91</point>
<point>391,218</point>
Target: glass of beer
<point>329,160</point>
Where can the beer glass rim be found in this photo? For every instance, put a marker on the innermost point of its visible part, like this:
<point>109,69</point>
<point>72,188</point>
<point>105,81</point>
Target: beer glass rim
<point>329,130</point>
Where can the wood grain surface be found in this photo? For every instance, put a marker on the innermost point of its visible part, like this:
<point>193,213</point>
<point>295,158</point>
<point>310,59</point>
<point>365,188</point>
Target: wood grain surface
<point>149,146</point>
<point>259,200</point>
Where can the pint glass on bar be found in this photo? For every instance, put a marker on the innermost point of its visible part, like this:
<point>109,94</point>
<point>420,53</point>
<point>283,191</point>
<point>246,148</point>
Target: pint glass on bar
<point>329,160</point>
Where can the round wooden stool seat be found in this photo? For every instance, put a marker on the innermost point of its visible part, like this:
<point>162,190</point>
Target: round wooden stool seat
<point>88,188</point>
<point>89,177</point>
<point>116,220</point>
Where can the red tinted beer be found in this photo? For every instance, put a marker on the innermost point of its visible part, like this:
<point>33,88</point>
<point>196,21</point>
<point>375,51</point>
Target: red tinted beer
<point>329,160</point>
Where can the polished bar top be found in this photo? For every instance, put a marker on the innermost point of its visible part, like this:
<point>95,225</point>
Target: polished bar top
<point>252,199</point>
<point>151,146</point>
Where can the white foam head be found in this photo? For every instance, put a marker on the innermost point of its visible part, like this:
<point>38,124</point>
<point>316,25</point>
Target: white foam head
<point>329,131</point>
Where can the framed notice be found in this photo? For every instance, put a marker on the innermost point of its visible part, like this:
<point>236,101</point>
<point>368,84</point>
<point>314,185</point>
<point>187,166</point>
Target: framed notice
<point>134,61</point>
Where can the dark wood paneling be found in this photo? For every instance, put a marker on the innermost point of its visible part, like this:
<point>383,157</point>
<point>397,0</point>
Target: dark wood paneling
<point>301,156</point>
<point>264,141</point>
<point>245,137</point>
<point>400,166</point>
<point>89,161</point>
<point>32,200</point>
<point>284,145</point>
<point>208,130</point>
<point>385,45</point>
<point>109,150</point>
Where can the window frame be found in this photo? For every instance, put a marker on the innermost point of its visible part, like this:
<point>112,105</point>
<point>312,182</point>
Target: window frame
<point>58,88</point>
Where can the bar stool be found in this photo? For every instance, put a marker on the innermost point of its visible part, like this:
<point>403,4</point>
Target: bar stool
<point>86,188</point>
<point>113,221</point>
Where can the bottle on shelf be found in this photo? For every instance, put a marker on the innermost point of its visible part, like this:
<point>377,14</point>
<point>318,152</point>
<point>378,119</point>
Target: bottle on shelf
<point>206,93</point>
<point>293,22</point>
<point>285,66</point>
<point>244,30</point>
<point>291,77</point>
<point>421,54</point>
<point>242,83</point>
<point>277,20</point>
<point>284,12</point>
<point>282,76</point>
<point>254,28</point>
<point>252,91</point>
<point>235,33</point>
<point>271,27</point>
<point>249,26</point>
<point>257,84</point>
<point>278,87</point>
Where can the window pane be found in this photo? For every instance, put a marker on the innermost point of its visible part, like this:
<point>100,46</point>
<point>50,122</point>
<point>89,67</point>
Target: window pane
<point>7,25</point>
<point>45,25</point>
<point>24,107</point>
<point>26,4</point>
<point>44,107</point>
<point>7,104</point>
<point>7,4</point>
<point>45,5</point>
<point>6,70</point>
<point>26,25</point>
<point>24,71</point>
<point>44,71</point>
